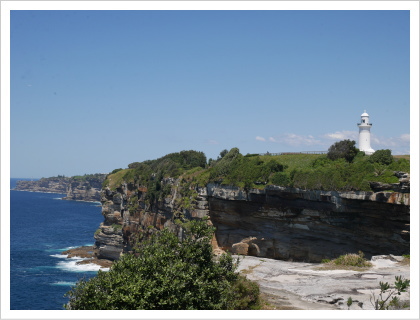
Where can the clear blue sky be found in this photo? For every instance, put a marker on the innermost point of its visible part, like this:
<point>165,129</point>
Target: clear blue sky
<point>92,91</point>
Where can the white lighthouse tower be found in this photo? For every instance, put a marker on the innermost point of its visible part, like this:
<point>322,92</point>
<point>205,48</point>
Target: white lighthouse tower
<point>364,134</point>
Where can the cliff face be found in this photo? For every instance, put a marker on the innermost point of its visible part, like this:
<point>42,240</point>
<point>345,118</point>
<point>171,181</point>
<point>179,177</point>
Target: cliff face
<point>285,223</point>
<point>127,214</point>
<point>277,222</point>
<point>84,188</point>
<point>87,189</point>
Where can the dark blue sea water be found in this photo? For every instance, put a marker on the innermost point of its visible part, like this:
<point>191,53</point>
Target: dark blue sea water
<point>41,227</point>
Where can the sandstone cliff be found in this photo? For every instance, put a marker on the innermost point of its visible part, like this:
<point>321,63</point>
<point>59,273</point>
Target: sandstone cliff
<point>275,222</point>
<point>85,188</point>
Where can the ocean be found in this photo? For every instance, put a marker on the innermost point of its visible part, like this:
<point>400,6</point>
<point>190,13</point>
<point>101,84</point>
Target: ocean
<point>41,227</point>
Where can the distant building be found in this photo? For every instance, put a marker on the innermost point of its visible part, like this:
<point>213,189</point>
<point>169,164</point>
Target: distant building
<point>364,134</point>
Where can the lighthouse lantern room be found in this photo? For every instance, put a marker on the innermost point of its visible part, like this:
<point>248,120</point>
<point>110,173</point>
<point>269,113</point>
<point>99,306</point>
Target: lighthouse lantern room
<point>364,134</point>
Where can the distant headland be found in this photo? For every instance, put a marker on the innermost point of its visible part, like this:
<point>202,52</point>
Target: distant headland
<point>80,188</point>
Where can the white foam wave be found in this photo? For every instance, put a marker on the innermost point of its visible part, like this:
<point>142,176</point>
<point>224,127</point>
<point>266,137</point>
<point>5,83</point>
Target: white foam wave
<point>72,266</point>
<point>60,256</point>
<point>63,283</point>
<point>68,248</point>
<point>63,256</point>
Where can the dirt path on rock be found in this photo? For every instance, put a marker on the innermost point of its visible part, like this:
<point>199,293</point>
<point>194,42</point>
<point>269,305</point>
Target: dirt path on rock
<point>305,286</point>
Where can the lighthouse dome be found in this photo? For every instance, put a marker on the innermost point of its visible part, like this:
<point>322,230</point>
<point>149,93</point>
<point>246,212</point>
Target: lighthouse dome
<point>364,114</point>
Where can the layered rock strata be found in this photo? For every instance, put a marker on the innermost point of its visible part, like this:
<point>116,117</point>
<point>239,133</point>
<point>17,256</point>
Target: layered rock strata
<point>286,223</point>
<point>276,222</point>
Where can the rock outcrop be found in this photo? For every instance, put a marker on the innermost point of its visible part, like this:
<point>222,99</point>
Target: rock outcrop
<point>402,186</point>
<point>126,215</point>
<point>275,222</point>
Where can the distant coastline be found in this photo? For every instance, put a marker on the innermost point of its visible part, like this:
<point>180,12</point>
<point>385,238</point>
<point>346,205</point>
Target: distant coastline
<point>79,188</point>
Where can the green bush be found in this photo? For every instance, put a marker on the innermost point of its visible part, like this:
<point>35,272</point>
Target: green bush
<point>337,175</point>
<point>280,179</point>
<point>352,260</point>
<point>245,294</point>
<point>400,165</point>
<point>388,297</point>
<point>117,227</point>
<point>167,273</point>
<point>225,165</point>
<point>382,156</point>
<point>245,172</point>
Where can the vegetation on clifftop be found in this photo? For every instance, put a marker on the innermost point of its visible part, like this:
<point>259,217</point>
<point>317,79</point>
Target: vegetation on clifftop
<point>344,168</point>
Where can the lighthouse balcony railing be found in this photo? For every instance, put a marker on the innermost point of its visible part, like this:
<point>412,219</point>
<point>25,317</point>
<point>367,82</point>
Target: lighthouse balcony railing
<point>366,124</point>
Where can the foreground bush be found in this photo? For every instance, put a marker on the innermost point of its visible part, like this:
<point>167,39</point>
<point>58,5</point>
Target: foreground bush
<point>168,273</point>
<point>388,297</point>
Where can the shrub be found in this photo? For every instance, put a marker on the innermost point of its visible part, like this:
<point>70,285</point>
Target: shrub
<point>400,165</point>
<point>117,227</point>
<point>274,166</point>
<point>382,156</point>
<point>352,260</point>
<point>246,294</point>
<point>343,149</point>
<point>280,179</point>
<point>337,175</point>
<point>321,162</point>
<point>168,273</point>
<point>251,155</point>
<point>223,153</point>
<point>387,299</point>
<point>225,165</point>
<point>134,165</point>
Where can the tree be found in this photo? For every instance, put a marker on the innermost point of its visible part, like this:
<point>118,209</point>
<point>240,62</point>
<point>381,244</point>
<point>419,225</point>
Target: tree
<point>223,153</point>
<point>382,157</point>
<point>345,149</point>
<point>168,273</point>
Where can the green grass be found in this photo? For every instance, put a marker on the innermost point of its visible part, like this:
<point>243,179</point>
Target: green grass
<point>402,156</point>
<point>293,161</point>
<point>115,180</point>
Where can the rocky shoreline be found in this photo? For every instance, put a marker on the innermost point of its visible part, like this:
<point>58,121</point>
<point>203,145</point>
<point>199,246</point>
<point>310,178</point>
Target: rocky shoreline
<point>88,254</point>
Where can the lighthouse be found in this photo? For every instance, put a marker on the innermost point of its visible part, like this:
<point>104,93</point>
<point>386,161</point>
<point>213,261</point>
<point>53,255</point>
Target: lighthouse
<point>364,134</point>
